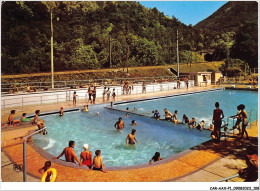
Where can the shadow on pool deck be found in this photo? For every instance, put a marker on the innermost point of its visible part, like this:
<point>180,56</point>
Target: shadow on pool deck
<point>232,147</point>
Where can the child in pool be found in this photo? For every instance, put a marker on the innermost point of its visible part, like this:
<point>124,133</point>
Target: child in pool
<point>155,158</point>
<point>134,123</point>
<point>61,112</point>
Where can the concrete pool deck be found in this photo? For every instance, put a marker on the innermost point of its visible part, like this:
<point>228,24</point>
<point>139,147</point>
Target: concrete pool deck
<point>214,161</point>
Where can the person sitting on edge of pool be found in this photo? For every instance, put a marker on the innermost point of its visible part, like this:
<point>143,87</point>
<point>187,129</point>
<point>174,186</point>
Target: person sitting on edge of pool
<point>211,127</point>
<point>85,108</point>
<point>168,115</point>
<point>134,123</point>
<point>156,115</point>
<point>61,112</point>
<point>24,119</point>
<point>185,119</point>
<point>192,123</point>
<point>131,138</point>
<point>69,153</point>
<point>119,125</point>
<point>86,156</point>
<point>174,117</point>
<point>155,158</point>
<point>201,125</point>
<point>97,162</point>
<point>37,121</point>
<point>10,120</point>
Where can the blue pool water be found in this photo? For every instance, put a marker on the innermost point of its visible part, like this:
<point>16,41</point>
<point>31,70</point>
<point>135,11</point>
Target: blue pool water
<point>154,136</point>
<point>199,105</point>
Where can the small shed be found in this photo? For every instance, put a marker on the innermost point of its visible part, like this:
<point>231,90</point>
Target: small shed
<point>215,77</point>
<point>200,78</point>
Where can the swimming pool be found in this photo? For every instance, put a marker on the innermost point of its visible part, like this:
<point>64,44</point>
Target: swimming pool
<point>199,105</point>
<point>154,136</point>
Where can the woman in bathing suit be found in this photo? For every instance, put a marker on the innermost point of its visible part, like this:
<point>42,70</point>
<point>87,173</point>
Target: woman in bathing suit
<point>243,116</point>
<point>86,156</point>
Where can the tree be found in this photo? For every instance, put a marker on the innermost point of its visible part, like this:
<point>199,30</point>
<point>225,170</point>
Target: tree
<point>246,44</point>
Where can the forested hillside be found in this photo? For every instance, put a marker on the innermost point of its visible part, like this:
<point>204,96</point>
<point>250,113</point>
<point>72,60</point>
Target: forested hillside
<point>82,31</point>
<point>233,30</point>
<point>230,17</point>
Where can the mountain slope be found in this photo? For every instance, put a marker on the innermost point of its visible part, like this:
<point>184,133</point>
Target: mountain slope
<point>230,17</point>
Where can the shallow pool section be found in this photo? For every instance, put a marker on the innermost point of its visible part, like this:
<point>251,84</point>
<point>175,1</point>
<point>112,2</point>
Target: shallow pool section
<point>99,133</point>
<point>199,105</point>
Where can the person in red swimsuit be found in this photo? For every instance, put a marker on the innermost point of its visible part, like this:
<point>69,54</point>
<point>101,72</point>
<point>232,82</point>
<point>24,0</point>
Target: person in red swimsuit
<point>86,156</point>
<point>218,115</point>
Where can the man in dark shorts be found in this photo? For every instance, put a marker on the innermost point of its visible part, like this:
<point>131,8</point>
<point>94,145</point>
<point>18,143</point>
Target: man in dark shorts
<point>218,115</point>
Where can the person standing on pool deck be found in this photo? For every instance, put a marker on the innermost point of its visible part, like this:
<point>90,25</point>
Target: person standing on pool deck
<point>114,95</point>
<point>70,155</point>
<point>218,115</point>
<point>74,98</point>
<point>89,95</point>
<point>108,93</point>
<point>94,91</point>
<point>47,166</point>
<point>243,116</point>
<point>119,125</point>
<point>104,94</point>
<point>131,138</point>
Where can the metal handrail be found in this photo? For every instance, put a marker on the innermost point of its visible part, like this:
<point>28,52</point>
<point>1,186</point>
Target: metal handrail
<point>227,178</point>
<point>24,153</point>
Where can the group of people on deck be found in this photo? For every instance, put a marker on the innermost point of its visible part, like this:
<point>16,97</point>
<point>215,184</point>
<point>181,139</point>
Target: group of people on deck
<point>107,93</point>
<point>35,121</point>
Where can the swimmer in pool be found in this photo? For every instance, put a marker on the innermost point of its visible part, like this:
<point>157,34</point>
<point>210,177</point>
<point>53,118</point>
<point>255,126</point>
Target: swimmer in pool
<point>155,158</point>
<point>61,112</point>
<point>134,109</point>
<point>131,138</point>
<point>97,114</point>
<point>85,108</point>
<point>119,125</point>
<point>127,115</point>
<point>134,123</point>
